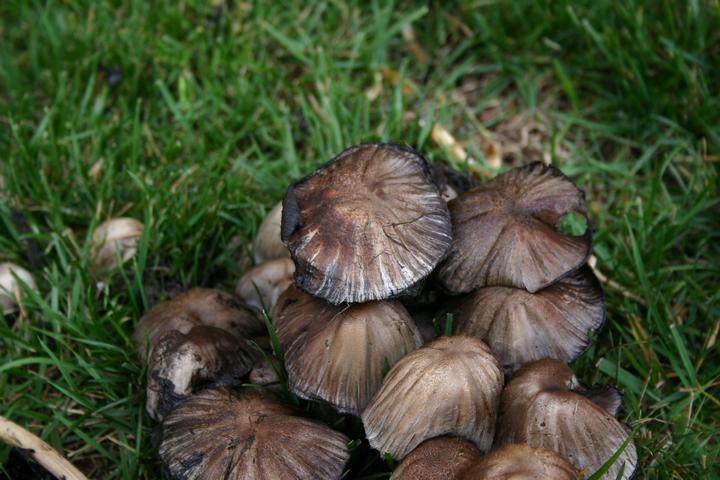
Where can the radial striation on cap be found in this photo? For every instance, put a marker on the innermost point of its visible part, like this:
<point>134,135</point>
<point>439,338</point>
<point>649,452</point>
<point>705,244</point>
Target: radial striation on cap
<point>368,225</point>
<point>506,232</point>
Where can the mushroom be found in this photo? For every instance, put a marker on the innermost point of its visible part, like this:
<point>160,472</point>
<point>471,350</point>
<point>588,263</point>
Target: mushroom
<point>117,237</point>
<point>198,306</point>
<point>11,279</point>
<point>505,232</point>
<point>226,434</point>
<point>181,364</point>
<point>520,327</point>
<point>338,354</point>
<point>450,386</point>
<point>368,225</point>
<point>438,458</point>
<point>520,462</point>
<point>268,244</point>
<point>261,286</point>
<point>543,406</point>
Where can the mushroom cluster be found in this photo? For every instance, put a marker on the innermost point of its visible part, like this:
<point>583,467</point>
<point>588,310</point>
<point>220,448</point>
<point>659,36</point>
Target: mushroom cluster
<point>356,270</point>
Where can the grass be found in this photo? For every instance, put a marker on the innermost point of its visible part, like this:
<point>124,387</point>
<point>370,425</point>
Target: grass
<point>194,116</point>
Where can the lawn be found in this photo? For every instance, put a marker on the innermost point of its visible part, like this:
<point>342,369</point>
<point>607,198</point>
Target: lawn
<point>194,116</point>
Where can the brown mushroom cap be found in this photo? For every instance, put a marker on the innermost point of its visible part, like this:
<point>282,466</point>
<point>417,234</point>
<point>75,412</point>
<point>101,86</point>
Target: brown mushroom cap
<point>520,462</point>
<point>505,232</point>
<point>261,286</point>
<point>247,435</point>
<point>368,225</point>
<point>337,354</point>
<point>520,327</point>
<point>541,407</point>
<point>268,244</point>
<point>450,386</point>
<point>199,306</point>
<point>180,363</point>
<point>443,458</point>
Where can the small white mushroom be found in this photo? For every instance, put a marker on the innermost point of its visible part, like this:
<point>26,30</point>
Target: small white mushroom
<point>268,244</point>
<point>113,238</point>
<point>11,276</point>
<point>261,286</point>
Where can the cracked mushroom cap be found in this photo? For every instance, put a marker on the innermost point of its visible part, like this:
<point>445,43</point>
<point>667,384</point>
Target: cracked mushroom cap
<point>438,458</point>
<point>181,363</point>
<point>268,244</point>
<point>520,462</point>
<point>113,238</point>
<point>368,225</point>
<point>520,327</point>
<point>261,286</point>
<point>543,406</point>
<point>338,354</point>
<point>198,306</point>
<point>506,232</point>
<point>10,287</point>
<point>247,435</point>
<point>450,386</point>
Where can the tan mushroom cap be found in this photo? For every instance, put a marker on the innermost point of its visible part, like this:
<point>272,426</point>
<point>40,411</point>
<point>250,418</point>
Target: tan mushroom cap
<point>520,327</point>
<point>181,363</point>
<point>262,285</point>
<point>337,354</point>
<point>505,232</point>
<point>368,225</point>
<point>520,462</point>
<point>247,435</point>
<point>450,386</point>
<point>198,306</point>
<point>541,407</point>
<point>113,238</point>
<point>443,458</point>
<point>268,245</point>
<point>10,287</point>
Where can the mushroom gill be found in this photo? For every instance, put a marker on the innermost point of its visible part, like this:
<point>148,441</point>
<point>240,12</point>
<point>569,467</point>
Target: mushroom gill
<point>223,434</point>
<point>506,232</point>
<point>543,407</point>
<point>520,327</point>
<point>337,354</point>
<point>368,225</point>
<point>449,386</point>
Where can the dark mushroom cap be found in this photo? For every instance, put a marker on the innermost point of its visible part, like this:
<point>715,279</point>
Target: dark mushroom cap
<point>268,244</point>
<point>519,327</point>
<point>199,306</point>
<point>505,232</point>
<point>450,386</point>
<point>337,354</point>
<point>247,435</point>
<point>368,225</point>
<point>541,407</point>
<point>520,462</point>
<point>181,363</point>
<point>261,286</point>
<point>438,458</point>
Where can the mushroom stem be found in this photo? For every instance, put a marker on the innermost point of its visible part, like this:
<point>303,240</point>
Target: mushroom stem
<point>16,436</point>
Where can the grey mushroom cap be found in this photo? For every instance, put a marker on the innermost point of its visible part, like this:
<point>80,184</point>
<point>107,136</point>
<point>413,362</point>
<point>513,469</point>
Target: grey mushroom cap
<point>198,306</point>
<point>338,354</point>
<point>443,458</point>
<point>543,406</point>
<point>181,363</point>
<point>506,232</point>
<point>449,386</point>
<point>520,462</point>
<point>261,286</point>
<point>368,225</point>
<point>268,245</point>
<point>247,435</point>
<point>520,327</point>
